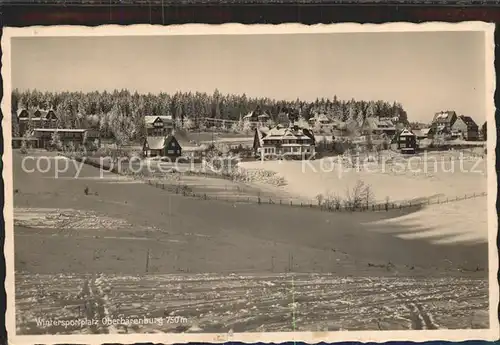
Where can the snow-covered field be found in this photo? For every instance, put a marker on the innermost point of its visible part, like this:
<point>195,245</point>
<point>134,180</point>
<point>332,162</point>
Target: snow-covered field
<point>214,303</point>
<point>418,178</point>
<point>461,222</point>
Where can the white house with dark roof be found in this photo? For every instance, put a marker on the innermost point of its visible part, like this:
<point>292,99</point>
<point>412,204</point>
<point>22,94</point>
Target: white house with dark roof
<point>376,126</point>
<point>321,119</point>
<point>442,123</point>
<point>291,141</point>
<point>75,136</point>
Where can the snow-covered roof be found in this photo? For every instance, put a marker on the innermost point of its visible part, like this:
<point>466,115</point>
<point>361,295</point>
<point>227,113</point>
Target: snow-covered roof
<point>249,115</point>
<point>155,143</point>
<point>406,133</point>
<point>323,117</point>
<point>68,130</point>
<point>444,116</point>
<point>280,132</point>
<point>150,119</point>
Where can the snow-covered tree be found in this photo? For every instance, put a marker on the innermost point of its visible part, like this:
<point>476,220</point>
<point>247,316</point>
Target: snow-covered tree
<point>189,124</point>
<point>55,141</point>
<point>247,127</point>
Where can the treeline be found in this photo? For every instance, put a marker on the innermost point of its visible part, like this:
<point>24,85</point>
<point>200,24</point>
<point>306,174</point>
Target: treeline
<point>123,109</point>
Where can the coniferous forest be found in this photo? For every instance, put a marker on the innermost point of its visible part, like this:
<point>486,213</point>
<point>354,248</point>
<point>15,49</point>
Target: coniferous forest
<point>123,109</point>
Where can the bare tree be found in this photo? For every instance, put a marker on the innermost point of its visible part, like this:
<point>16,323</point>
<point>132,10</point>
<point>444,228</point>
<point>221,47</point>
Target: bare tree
<point>361,195</point>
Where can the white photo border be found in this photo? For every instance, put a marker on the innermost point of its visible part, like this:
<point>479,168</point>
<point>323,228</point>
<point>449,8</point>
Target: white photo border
<point>240,29</point>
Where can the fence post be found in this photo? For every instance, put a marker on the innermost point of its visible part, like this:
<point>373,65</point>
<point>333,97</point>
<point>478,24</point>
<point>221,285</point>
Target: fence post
<point>280,201</point>
<point>291,204</point>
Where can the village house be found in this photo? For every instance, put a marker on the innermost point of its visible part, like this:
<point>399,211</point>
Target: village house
<point>466,128</point>
<point>252,119</point>
<point>319,119</point>
<point>442,123</point>
<point>405,141</point>
<point>422,133</point>
<point>338,124</point>
<point>484,131</point>
<point>67,136</point>
<point>292,141</point>
<point>162,146</point>
<point>256,120</point>
<point>158,125</point>
<point>36,118</point>
<point>376,126</point>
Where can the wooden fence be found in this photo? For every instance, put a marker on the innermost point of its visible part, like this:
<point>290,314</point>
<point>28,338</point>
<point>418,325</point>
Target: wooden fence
<point>325,206</point>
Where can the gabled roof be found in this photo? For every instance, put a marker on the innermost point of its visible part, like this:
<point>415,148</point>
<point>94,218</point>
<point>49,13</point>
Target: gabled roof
<point>150,119</point>
<point>31,113</point>
<point>280,132</point>
<point>155,143</point>
<point>158,143</point>
<point>20,111</point>
<point>406,133</point>
<point>421,133</point>
<point>386,123</point>
<point>323,117</point>
<point>250,115</point>
<point>444,116</point>
<point>468,121</point>
<point>319,117</point>
<point>169,139</point>
<point>261,132</point>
